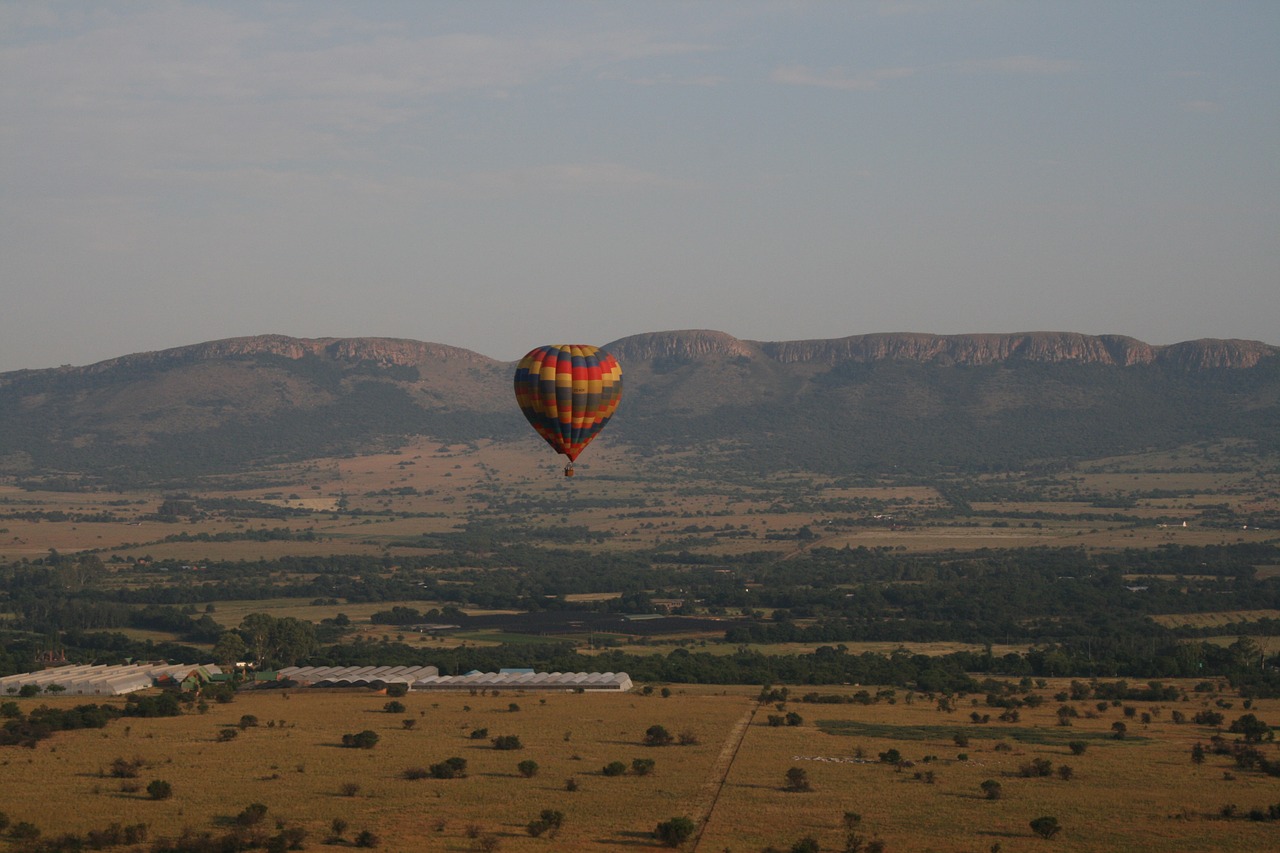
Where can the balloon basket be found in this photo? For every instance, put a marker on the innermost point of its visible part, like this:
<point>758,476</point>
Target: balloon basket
<point>568,471</point>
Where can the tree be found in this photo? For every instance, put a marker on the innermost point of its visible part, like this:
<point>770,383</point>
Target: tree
<point>642,766</point>
<point>992,789</point>
<point>548,822</point>
<point>1197,753</point>
<point>798,780</point>
<point>1045,827</point>
<point>614,768</point>
<point>676,831</point>
<point>507,742</point>
<point>1253,729</point>
<point>159,790</point>
<point>528,768</point>
<point>229,649</point>
<point>657,736</point>
<point>366,739</point>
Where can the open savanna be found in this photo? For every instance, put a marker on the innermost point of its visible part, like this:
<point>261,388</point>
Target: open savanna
<point>298,768</point>
<point>381,503</point>
<point>1140,794</point>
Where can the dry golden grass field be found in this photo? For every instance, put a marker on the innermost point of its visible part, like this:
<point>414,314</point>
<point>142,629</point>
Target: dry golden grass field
<point>1140,794</point>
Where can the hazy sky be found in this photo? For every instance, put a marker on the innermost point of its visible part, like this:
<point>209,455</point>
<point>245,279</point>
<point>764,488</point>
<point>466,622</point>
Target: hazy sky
<point>501,175</point>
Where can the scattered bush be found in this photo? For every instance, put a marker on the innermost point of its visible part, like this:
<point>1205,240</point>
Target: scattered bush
<point>159,789</point>
<point>614,768</point>
<point>366,739</point>
<point>1045,827</point>
<point>507,742</point>
<point>798,780</point>
<point>548,822</point>
<point>528,768</point>
<point>657,736</point>
<point>642,766</point>
<point>394,707</point>
<point>992,789</point>
<point>675,832</point>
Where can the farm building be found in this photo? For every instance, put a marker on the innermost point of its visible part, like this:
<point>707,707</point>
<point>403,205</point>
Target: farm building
<point>354,676</point>
<point>104,680</point>
<point>429,678</point>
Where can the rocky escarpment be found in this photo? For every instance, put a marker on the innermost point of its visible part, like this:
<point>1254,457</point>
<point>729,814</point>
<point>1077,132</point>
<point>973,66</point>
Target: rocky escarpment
<point>970,350</point>
<point>385,352</point>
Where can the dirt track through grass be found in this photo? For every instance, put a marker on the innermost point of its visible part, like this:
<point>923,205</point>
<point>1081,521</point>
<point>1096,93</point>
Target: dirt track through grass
<point>710,793</point>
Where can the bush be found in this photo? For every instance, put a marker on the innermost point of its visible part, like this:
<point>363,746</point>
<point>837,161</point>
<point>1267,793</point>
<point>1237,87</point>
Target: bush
<point>614,768</point>
<point>394,707</point>
<point>349,789</point>
<point>1077,747</point>
<point>507,742</point>
<point>657,736</point>
<point>251,815</point>
<point>548,822</point>
<point>642,766</point>
<point>675,832</point>
<point>528,768</point>
<point>479,734</point>
<point>1045,827</point>
<point>992,789</point>
<point>367,838</point>
<point>450,768</point>
<point>416,773</point>
<point>366,739</point>
<point>25,830</point>
<point>798,780</point>
<point>159,790</point>
<point>397,690</point>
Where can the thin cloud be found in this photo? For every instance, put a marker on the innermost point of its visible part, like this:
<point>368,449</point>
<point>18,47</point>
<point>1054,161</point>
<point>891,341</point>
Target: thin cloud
<point>842,79</point>
<point>572,177</point>
<point>837,78</point>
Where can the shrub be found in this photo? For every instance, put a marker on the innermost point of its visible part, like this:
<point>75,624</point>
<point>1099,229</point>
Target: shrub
<point>657,736</point>
<point>798,780</point>
<point>528,768</point>
<point>450,768</point>
<point>394,707</point>
<point>675,832</point>
<point>416,773</point>
<point>571,784</point>
<point>548,822</point>
<point>349,789</point>
<point>1077,747</point>
<point>614,768</point>
<point>1045,827</point>
<point>397,690</point>
<point>159,789</point>
<point>25,830</point>
<point>366,739</point>
<point>367,838</point>
<point>227,734</point>
<point>1065,772</point>
<point>642,766</point>
<point>251,815</point>
<point>688,738</point>
<point>479,734</point>
<point>992,789</point>
<point>808,844</point>
<point>507,742</point>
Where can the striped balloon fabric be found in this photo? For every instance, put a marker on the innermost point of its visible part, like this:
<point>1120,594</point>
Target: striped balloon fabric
<point>568,393</point>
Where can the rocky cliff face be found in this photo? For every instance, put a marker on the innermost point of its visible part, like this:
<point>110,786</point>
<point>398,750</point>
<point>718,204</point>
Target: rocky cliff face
<point>972,350</point>
<point>386,352</point>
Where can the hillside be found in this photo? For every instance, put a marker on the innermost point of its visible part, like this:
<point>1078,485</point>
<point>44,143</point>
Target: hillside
<point>866,404</point>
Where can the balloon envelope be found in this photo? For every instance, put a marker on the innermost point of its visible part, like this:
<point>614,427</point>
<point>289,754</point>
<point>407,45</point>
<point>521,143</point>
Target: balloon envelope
<point>568,393</point>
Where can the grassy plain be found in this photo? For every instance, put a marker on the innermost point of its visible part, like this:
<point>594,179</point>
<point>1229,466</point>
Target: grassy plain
<point>1141,794</point>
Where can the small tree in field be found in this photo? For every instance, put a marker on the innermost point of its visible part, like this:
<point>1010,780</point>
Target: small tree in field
<point>528,768</point>
<point>159,789</point>
<point>798,780</point>
<point>657,736</point>
<point>992,789</point>
<point>1045,827</point>
<point>676,831</point>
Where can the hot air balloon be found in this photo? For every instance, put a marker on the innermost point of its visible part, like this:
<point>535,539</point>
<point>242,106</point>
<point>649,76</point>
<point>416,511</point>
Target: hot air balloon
<point>568,393</point>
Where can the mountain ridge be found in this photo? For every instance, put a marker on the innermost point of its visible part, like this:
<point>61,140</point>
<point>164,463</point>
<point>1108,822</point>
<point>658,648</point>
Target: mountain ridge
<point>976,349</point>
<point>856,405</point>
